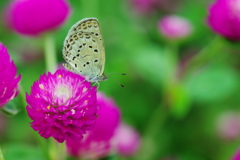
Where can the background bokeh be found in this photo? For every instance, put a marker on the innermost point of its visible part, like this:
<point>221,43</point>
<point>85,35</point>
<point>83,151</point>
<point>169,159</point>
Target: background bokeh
<point>176,90</point>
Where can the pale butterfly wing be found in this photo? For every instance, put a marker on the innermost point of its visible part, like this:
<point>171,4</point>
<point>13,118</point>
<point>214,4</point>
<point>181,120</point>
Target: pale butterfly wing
<point>84,50</point>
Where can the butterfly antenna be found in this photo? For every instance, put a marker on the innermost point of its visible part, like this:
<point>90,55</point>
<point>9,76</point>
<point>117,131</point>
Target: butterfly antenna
<point>118,73</point>
<point>117,81</point>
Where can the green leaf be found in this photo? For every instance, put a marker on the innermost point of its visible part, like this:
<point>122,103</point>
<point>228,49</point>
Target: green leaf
<point>154,64</point>
<point>10,109</point>
<point>212,84</point>
<point>179,100</point>
<point>21,152</point>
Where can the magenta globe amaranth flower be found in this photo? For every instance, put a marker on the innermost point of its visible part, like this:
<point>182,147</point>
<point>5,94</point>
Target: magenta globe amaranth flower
<point>143,6</point>
<point>8,77</point>
<point>228,125</point>
<point>98,141</point>
<point>127,140</point>
<point>237,155</point>
<point>175,27</point>
<point>224,18</point>
<point>33,17</point>
<point>62,106</point>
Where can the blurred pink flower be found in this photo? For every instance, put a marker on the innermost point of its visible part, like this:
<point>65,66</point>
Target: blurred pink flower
<point>237,155</point>
<point>33,17</point>
<point>143,6</point>
<point>174,27</point>
<point>29,54</point>
<point>127,140</point>
<point>228,125</point>
<point>224,18</point>
<point>97,143</point>
<point>146,7</point>
<point>62,105</point>
<point>60,66</point>
<point>8,78</point>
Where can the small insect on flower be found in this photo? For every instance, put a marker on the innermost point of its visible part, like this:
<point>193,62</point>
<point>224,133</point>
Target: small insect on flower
<point>62,106</point>
<point>84,52</point>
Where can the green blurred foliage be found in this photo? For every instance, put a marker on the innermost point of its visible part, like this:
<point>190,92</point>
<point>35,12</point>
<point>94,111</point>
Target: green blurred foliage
<point>173,106</point>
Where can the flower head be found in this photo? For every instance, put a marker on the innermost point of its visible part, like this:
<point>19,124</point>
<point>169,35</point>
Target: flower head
<point>224,18</point>
<point>62,105</point>
<point>228,125</point>
<point>237,155</point>
<point>143,6</point>
<point>97,142</point>
<point>174,27</point>
<point>8,77</point>
<point>127,140</point>
<point>33,17</point>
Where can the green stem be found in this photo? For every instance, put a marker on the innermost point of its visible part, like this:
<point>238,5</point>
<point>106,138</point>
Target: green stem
<point>61,151</point>
<point>173,48</point>
<point>1,155</point>
<point>148,148</point>
<point>40,140</point>
<point>206,54</point>
<point>22,96</point>
<point>52,149</point>
<point>50,52</point>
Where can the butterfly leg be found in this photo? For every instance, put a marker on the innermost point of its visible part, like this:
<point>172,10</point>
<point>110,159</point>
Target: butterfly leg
<point>82,81</point>
<point>96,84</point>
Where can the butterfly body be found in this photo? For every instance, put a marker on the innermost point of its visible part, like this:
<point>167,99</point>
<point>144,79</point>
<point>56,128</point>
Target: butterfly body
<point>84,50</point>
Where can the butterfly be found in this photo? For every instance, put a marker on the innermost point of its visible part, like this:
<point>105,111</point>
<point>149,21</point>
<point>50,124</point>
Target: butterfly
<point>83,50</point>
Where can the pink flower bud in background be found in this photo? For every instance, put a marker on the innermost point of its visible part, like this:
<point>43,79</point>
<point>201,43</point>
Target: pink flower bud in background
<point>29,54</point>
<point>224,18</point>
<point>33,17</point>
<point>237,155</point>
<point>143,6</point>
<point>175,27</point>
<point>98,141</point>
<point>127,140</point>
<point>146,7</point>
<point>228,125</point>
<point>8,77</point>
